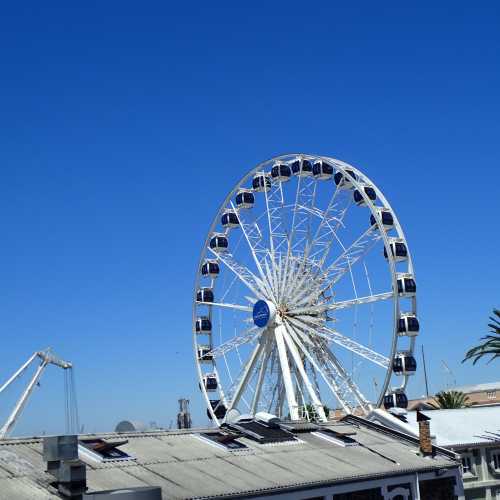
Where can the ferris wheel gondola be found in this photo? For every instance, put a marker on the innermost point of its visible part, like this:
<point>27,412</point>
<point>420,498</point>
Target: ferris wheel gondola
<point>295,309</point>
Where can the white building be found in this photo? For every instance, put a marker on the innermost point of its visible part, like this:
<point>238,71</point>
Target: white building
<point>472,432</point>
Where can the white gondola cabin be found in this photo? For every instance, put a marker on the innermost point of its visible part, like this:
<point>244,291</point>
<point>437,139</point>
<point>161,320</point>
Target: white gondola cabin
<point>203,325</point>
<point>406,285</point>
<point>302,168</point>
<point>398,249</point>
<point>395,399</point>
<point>322,170</point>
<point>404,364</point>
<point>369,192</point>
<point>245,198</point>
<point>210,382</point>
<point>281,172</point>
<point>218,408</point>
<point>205,354</point>
<point>344,181</point>
<point>408,325</point>
<point>261,182</point>
<point>219,242</point>
<point>205,295</point>
<point>385,216</point>
<point>210,269</point>
<point>230,219</point>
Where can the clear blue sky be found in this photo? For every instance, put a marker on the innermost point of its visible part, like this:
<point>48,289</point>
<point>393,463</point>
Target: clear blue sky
<point>124,125</point>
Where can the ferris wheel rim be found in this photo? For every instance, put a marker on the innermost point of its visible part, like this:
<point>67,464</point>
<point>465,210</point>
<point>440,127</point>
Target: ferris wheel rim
<point>343,167</point>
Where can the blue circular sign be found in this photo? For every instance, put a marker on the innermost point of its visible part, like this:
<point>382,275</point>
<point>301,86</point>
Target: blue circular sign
<point>261,313</point>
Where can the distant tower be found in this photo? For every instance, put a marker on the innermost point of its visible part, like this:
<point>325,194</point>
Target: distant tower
<point>183,417</point>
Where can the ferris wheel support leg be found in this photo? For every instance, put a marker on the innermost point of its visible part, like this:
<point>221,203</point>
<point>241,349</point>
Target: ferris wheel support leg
<point>246,375</point>
<point>303,375</point>
<point>262,372</point>
<point>293,407</point>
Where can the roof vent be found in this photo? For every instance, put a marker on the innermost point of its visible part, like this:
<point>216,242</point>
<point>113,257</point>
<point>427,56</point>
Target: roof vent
<point>267,418</point>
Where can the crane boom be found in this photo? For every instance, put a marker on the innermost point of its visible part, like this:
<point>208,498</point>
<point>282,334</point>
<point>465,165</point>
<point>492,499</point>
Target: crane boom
<point>46,358</point>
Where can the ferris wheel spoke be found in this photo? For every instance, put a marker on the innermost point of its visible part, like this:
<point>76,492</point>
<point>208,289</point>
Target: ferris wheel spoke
<point>322,369</point>
<point>237,307</point>
<point>347,382</point>
<point>349,256</point>
<point>253,283</point>
<point>253,237</point>
<point>322,308</point>
<point>304,204</point>
<point>349,344</point>
<point>331,220</point>
<point>247,336</point>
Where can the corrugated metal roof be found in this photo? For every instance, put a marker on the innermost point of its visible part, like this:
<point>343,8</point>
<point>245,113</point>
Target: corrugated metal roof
<point>186,467</point>
<point>460,426</point>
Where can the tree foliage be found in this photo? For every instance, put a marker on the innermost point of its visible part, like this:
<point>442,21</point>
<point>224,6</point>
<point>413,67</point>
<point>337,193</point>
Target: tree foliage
<point>491,344</point>
<point>450,400</point>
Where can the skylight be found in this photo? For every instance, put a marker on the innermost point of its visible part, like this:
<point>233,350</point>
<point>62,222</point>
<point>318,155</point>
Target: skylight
<point>335,437</point>
<point>222,440</point>
<point>103,451</point>
<point>263,433</point>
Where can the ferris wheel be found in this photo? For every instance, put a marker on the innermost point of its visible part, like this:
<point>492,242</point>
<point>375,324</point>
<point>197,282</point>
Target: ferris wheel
<point>305,295</point>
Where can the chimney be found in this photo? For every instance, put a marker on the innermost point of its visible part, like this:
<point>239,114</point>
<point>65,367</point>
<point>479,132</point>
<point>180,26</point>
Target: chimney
<point>61,454</point>
<point>424,433</point>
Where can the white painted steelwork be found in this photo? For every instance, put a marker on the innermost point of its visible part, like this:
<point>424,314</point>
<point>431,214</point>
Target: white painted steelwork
<point>293,290</point>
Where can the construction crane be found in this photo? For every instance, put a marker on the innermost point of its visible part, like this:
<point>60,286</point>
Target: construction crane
<point>47,357</point>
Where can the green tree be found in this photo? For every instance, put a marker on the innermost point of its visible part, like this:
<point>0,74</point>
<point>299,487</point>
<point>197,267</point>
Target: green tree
<point>308,409</point>
<point>491,344</point>
<point>450,400</point>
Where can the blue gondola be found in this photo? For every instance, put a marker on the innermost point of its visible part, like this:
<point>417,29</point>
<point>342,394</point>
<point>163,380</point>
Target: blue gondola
<point>396,399</point>
<point>230,219</point>
<point>210,268</point>
<point>344,181</point>
<point>302,168</point>
<point>210,382</point>
<point>203,325</point>
<point>398,249</point>
<point>219,243</point>
<point>370,193</point>
<point>281,172</point>
<point>245,199</point>
<point>261,182</point>
<point>386,216</point>
<point>408,325</point>
<point>205,354</point>
<point>219,409</point>
<point>406,285</point>
<point>322,170</point>
<point>205,295</point>
<point>404,364</point>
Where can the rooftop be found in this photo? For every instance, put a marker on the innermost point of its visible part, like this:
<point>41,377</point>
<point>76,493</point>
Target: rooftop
<point>489,386</point>
<point>461,426</point>
<point>187,466</point>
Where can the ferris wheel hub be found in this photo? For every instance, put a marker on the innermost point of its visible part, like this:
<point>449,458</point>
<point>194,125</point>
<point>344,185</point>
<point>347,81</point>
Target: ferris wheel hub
<point>264,313</point>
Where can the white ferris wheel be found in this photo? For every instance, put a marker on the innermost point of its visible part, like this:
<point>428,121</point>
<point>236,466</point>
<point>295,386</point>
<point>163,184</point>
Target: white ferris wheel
<point>305,295</point>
